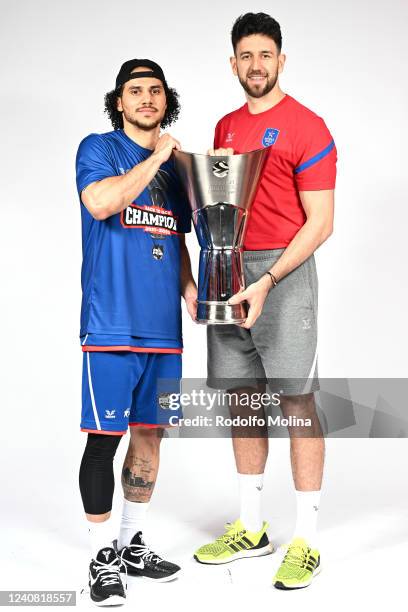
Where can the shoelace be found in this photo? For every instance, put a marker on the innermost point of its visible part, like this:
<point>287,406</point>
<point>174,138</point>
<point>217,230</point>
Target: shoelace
<point>144,552</point>
<point>232,535</point>
<point>296,556</point>
<point>109,573</point>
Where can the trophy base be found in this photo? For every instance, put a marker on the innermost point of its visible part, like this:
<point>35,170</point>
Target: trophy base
<point>221,313</point>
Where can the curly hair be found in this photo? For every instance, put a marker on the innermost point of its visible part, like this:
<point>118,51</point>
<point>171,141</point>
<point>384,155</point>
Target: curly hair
<point>170,116</point>
<point>256,23</point>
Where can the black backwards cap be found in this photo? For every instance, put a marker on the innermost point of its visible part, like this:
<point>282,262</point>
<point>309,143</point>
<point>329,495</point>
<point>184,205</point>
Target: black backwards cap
<point>125,73</point>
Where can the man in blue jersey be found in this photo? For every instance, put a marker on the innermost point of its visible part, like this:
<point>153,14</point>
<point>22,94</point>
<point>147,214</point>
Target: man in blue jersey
<point>135,268</point>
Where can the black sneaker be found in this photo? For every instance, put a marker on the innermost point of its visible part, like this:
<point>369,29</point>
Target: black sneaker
<point>139,560</point>
<point>106,588</point>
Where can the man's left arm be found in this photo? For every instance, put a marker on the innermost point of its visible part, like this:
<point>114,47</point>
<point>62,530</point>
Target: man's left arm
<point>319,210</point>
<point>188,285</point>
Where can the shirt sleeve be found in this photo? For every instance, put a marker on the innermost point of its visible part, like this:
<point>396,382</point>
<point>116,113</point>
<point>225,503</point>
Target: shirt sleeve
<point>315,158</point>
<point>93,162</point>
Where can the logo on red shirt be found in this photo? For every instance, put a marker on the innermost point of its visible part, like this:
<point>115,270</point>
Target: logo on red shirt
<point>270,137</point>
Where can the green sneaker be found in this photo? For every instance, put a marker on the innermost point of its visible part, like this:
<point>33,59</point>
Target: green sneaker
<point>299,566</point>
<point>236,543</point>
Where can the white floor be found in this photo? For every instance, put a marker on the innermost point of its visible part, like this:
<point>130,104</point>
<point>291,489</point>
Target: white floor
<point>363,527</point>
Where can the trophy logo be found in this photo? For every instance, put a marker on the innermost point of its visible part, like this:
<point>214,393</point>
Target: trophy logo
<point>220,169</point>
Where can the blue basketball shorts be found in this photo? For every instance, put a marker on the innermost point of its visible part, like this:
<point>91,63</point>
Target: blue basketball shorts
<point>123,388</point>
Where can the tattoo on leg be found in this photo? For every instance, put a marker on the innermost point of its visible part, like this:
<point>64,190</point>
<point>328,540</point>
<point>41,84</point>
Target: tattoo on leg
<point>138,479</point>
<point>132,480</point>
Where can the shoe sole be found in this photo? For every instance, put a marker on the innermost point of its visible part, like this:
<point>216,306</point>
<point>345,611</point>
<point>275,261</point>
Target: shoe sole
<point>244,554</point>
<point>114,600</point>
<point>164,579</point>
<point>279,585</point>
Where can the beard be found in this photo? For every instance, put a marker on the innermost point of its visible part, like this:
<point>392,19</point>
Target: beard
<point>146,126</point>
<point>143,124</point>
<point>257,91</point>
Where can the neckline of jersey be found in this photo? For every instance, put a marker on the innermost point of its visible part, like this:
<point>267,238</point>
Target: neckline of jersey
<point>126,137</point>
<point>285,98</point>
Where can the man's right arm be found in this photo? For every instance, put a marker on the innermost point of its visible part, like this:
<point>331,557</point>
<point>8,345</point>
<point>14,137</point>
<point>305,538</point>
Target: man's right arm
<point>113,194</point>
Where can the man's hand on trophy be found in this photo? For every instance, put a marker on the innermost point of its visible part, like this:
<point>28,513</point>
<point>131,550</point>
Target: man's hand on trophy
<point>165,146</point>
<point>228,151</point>
<point>255,295</point>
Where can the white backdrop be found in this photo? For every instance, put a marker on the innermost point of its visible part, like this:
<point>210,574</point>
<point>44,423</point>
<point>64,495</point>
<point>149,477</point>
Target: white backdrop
<point>347,62</point>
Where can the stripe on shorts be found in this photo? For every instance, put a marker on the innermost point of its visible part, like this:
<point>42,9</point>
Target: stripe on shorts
<point>95,412</point>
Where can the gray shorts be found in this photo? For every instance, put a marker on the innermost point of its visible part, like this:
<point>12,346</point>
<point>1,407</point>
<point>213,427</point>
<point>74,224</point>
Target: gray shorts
<point>281,347</point>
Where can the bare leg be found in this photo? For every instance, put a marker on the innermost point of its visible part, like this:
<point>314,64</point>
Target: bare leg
<point>141,463</point>
<point>250,444</point>
<point>306,443</point>
<point>98,518</point>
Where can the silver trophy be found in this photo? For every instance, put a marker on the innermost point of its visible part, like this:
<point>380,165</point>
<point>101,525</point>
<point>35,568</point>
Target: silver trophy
<point>220,190</point>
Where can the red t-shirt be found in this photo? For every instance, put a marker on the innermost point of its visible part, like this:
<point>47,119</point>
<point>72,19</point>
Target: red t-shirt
<point>302,158</point>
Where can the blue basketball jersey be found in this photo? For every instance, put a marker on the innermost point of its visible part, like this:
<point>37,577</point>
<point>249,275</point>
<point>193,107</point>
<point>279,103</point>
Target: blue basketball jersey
<point>131,261</point>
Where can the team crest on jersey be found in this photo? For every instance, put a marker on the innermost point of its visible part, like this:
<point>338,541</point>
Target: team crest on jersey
<point>152,219</point>
<point>270,137</point>
<point>158,252</point>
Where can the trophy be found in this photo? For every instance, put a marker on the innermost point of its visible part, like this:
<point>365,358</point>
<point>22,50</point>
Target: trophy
<point>220,190</point>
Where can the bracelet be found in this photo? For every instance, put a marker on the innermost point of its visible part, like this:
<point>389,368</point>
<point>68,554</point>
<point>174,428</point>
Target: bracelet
<point>273,279</point>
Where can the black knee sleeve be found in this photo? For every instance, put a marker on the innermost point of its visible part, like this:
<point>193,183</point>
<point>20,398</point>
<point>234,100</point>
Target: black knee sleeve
<point>96,479</point>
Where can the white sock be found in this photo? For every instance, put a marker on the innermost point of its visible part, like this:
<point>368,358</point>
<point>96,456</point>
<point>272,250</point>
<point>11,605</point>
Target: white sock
<point>101,536</point>
<point>250,493</point>
<point>307,503</point>
<point>134,516</point>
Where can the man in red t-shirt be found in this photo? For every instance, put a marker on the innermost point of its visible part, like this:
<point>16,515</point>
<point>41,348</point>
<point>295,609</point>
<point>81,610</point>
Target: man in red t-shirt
<point>292,215</point>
